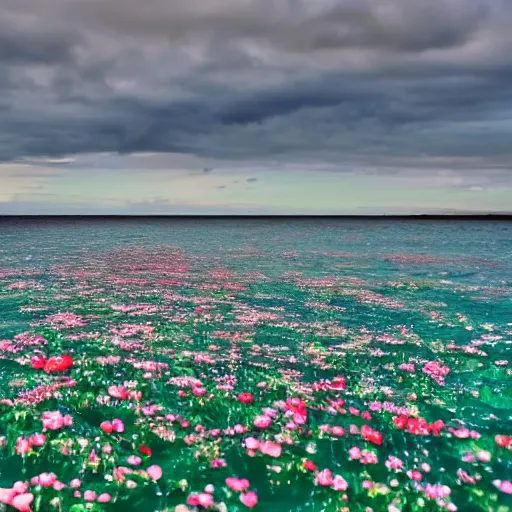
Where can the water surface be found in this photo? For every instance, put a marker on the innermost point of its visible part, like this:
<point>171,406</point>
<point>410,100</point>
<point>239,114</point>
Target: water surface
<point>338,332</point>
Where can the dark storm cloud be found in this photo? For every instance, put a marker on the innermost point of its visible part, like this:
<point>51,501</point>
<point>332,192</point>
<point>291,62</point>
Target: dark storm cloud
<point>332,80</point>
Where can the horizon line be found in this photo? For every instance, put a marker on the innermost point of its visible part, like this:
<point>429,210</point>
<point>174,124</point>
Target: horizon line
<point>420,216</point>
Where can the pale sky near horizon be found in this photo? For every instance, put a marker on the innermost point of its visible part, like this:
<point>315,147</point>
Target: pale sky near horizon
<point>61,189</point>
<point>255,106</point>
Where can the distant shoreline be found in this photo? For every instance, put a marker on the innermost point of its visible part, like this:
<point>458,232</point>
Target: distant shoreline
<point>455,216</point>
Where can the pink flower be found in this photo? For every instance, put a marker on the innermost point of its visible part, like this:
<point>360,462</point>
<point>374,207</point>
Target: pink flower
<point>246,398</point>
<point>120,472</point>
<point>483,455</point>
<point>465,477</point>
<point>89,495</point>
<point>218,463</point>
<point>75,483</point>
<point>106,426</point>
<point>150,410</point>
<point>249,499</point>
<point>309,465</point>
<point>368,484</point>
<point>408,367</point>
<point>394,463</point>
<point>503,485</point>
<point>437,491</point>
<point>22,446</point>
<point>436,371</point>
<point>300,419</point>
<point>20,487</point>
<point>369,457</point>
<point>205,500</point>
<point>353,429</point>
<point>415,475</point>
<point>269,411</point>
<point>237,484</point>
<point>193,500</point>
<point>47,479</point>
<point>134,460</point>
<point>252,443</point>
<point>338,431</point>
<point>119,392</point>
<point>338,382</point>
<point>468,457</point>
<point>155,472</point>
<point>118,426</point>
<point>461,433</point>
<point>7,495</point>
<point>262,421</point>
<point>93,457</point>
<point>135,395</point>
<point>22,502</point>
<point>52,420</point>
<point>355,453</point>
<point>324,478</point>
<point>239,429</point>
<point>198,391</point>
<point>37,439</point>
<point>58,486</point>
<point>339,483</point>
<point>271,448</point>
<point>104,498</point>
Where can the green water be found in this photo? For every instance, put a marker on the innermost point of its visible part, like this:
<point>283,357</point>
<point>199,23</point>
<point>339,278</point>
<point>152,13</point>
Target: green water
<point>288,303</point>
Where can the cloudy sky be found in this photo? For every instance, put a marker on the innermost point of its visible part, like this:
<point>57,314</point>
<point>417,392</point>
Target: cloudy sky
<point>255,106</point>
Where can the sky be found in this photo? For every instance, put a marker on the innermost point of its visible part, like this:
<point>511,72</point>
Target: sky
<point>255,106</point>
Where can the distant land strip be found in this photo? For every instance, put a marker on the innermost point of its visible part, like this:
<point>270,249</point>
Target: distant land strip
<point>445,216</point>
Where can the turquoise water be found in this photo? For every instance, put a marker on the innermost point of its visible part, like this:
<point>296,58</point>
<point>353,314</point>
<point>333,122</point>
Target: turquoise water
<point>286,302</point>
<point>482,248</point>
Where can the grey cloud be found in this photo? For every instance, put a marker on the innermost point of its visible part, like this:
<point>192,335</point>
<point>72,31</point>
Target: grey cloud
<point>294,25</point>
<point>34,44</point>
<point>335,81</point>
